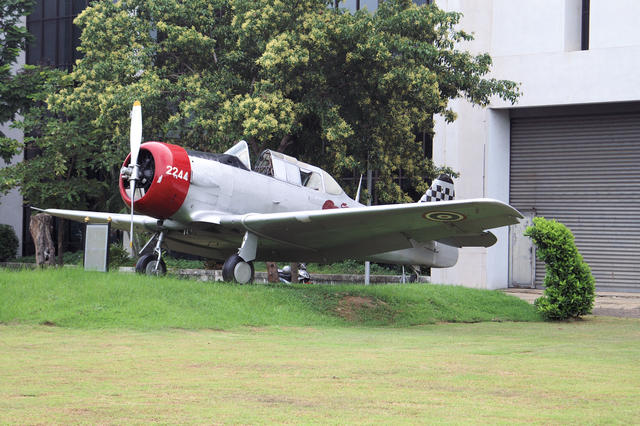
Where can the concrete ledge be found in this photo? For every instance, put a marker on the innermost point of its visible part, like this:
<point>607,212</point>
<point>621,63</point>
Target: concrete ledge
<point>18,265</point>
<point>261,277</point>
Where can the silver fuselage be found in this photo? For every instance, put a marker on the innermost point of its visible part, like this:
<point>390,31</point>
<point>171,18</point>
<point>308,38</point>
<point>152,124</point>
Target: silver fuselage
<point>220,189</point>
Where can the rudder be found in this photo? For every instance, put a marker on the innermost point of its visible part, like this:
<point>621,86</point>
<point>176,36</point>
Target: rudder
<point>441,189</point>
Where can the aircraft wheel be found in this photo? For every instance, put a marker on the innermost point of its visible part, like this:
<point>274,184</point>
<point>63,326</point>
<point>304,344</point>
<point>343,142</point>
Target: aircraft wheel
<point>147,265</point>
<point>151,268</point>
<point>143,261</point>
<point>237,270</point>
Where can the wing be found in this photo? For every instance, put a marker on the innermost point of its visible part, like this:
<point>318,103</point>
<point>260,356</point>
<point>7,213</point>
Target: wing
<point>325,234</point>
<point>368,230</point>
<point>118,220</point>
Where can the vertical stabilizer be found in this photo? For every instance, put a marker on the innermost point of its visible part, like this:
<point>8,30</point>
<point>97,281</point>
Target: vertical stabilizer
<point>441,189</point>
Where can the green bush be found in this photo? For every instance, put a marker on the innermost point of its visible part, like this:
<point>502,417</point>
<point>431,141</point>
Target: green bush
<point>118,256</point>
<point>570,287</point>
<point>8,243</point>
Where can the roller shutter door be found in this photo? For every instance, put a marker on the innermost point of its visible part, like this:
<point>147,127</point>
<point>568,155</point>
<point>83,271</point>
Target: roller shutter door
<point>585,172</point>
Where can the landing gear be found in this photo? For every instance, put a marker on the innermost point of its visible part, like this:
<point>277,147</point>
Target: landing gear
<point>148,264</point>
<point>152,263</point>
<point>415,275</point>
<point>236,269</point>
<point>239,267</point>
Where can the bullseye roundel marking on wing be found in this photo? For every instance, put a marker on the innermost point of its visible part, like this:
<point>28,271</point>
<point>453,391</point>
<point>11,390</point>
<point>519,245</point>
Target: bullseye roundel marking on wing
<point>444,216</point>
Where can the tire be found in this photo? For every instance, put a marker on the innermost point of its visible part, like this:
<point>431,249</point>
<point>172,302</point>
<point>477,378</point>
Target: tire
<point>147,265</point>
<point>143,261</point>
<point>235,269</point>
<point>151,268</point>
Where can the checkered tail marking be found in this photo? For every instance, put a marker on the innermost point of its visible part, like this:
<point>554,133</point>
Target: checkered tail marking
<point>441,189</point>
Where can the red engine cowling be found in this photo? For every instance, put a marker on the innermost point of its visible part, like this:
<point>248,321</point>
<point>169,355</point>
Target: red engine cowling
<point>165,171</point>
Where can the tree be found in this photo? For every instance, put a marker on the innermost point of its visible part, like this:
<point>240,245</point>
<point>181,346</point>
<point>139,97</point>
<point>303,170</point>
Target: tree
<point>13,39</point>
<point>67,172</point>
<point>333,88</point>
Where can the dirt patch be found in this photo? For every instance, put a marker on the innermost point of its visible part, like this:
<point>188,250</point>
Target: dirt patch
<point>352,307</point>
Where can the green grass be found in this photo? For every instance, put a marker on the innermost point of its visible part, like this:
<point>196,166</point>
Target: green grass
<point>582,372</point>
<point>80,299</point>
<point>136,349</point>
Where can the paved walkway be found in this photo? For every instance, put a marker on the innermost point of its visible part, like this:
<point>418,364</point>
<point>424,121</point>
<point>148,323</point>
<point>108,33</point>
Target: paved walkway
<point>607,303</point>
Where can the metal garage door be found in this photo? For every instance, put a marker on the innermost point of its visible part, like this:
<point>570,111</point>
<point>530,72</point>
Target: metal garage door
<point>585,172</point>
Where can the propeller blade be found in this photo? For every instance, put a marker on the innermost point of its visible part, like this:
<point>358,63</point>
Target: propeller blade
<point>135,135</point>
<point>132,183</point>
<point>135,140</point>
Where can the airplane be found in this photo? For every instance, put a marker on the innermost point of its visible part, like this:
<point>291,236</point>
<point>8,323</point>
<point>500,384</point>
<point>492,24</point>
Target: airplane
<point>217,206</point>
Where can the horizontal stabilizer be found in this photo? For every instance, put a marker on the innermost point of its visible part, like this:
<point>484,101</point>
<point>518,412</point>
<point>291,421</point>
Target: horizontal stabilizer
<point>484,239</point>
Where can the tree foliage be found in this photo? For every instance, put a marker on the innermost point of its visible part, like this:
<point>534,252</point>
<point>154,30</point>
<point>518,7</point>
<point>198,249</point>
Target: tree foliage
<point>569,286</point>
<point>68,170</point>
<point>8,242</point>
<point>13,94</point>
<point>334,88</point>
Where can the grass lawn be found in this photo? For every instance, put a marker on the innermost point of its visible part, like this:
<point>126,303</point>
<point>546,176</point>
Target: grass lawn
<point>584,372</point>
<point>78,347</point>
<point>78,299</point>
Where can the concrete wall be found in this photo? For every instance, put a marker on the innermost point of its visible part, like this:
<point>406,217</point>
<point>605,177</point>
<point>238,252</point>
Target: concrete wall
<point>534,42</point>
<point>11,204</point>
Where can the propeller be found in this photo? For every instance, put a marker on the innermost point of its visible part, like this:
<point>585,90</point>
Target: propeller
<point>135,140</point>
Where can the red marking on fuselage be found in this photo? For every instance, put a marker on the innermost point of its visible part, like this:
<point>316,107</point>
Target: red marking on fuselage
<point>331,205</point>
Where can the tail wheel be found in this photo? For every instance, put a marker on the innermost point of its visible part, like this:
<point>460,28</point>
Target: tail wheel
<point>237,270</point>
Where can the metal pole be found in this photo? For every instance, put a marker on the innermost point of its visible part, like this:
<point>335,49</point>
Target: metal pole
<point>367,264</point>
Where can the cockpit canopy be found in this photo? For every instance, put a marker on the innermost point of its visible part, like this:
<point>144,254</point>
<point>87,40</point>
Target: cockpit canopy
<point>288,169</point>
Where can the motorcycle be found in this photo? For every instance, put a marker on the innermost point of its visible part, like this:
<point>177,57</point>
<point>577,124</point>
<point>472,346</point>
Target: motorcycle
<point>284,274</point>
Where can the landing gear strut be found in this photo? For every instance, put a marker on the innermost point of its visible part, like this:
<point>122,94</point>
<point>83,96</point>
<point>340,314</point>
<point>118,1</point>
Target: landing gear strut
<point>239,267</point>
<point>152,263</point>
<point>416,273</point>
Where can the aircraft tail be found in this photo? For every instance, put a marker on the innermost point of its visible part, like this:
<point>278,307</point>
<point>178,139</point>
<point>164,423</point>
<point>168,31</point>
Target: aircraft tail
<point>441,189</point>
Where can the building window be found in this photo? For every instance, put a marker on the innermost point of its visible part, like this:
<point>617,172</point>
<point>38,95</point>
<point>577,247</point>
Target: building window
<point>371,5</point>
<point>584,42</point>
<point>55,37</point>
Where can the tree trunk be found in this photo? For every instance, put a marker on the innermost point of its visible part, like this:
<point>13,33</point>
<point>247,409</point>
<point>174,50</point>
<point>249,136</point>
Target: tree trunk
<point>40,229</point>
<point>272,272</point>
<point>294,273</point>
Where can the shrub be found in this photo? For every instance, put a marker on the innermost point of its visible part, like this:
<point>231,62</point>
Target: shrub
<point>8,243</point>
<point>570,287</point>
<point>118,256</point>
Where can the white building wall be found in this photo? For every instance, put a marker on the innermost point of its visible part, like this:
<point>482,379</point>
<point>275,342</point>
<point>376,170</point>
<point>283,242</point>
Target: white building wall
<point>536,43</point>
<point>11,204</point>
